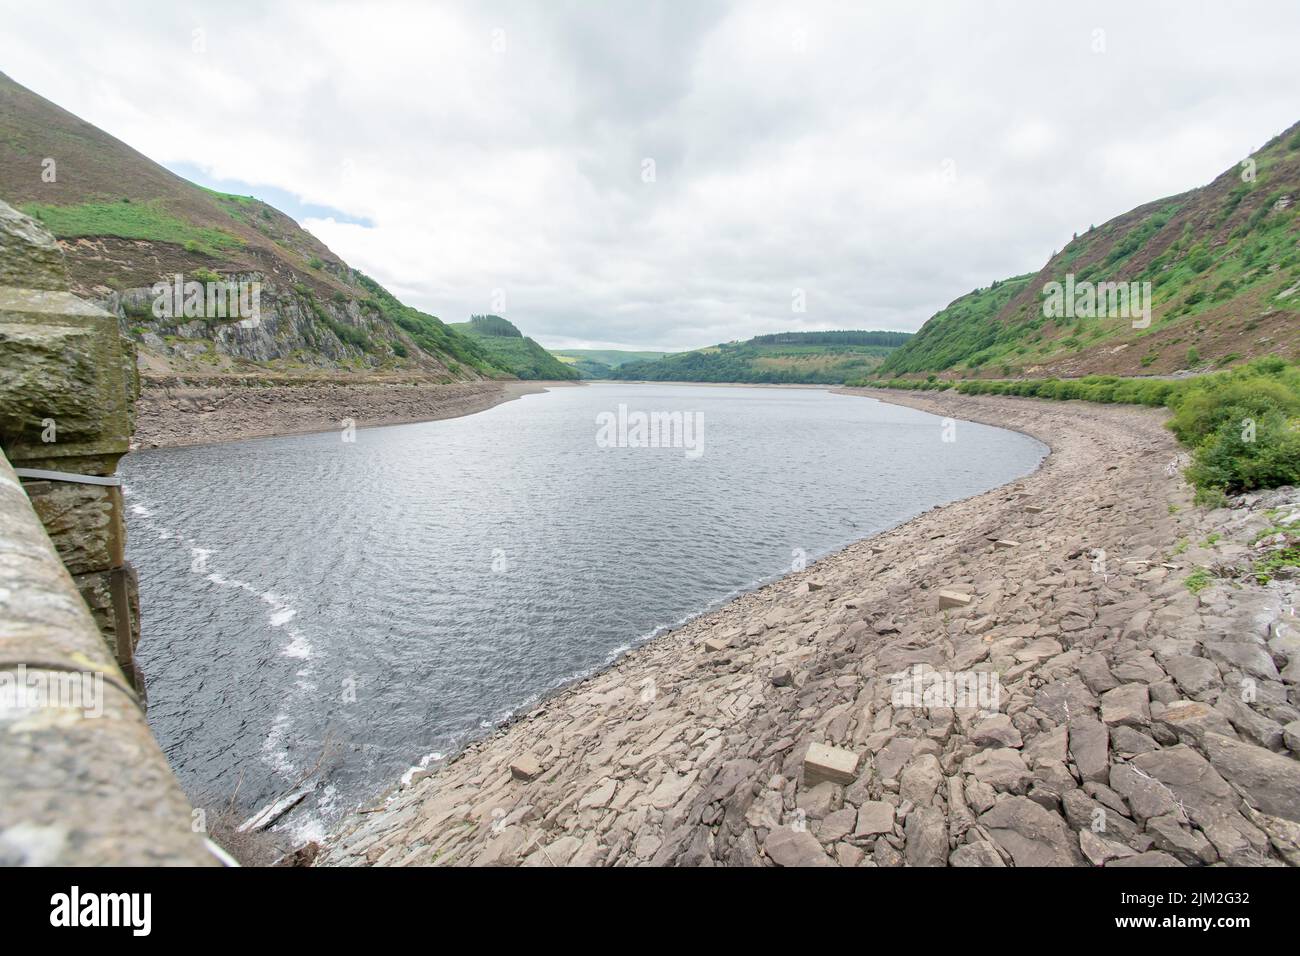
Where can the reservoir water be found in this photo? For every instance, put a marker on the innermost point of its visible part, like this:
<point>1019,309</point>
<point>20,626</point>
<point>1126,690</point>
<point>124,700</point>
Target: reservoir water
<point>359,607</point>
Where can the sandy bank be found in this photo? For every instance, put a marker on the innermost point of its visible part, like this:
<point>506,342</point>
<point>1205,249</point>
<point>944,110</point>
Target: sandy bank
<point>1117,697</point>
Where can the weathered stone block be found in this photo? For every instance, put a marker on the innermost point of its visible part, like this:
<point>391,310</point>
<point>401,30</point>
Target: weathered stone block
<point>67,380</point>
<point>953,599</point>
<point>67,375</point>
<point>829,763</point>
<point>85,522</point>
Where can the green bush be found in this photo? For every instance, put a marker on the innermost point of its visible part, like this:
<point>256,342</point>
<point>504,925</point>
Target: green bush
<point>1205,406</point>
<point>1242,424</point>
<point>1236,458</point>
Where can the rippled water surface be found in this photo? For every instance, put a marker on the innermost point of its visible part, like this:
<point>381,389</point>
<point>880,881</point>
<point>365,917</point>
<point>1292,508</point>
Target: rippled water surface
<point>400,594</point>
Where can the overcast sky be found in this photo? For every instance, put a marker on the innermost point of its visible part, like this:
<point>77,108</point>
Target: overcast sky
<point>881,158</point>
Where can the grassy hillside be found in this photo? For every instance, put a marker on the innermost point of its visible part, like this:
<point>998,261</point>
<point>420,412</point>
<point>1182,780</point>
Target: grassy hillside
<point>1223,262</point>
<point>510,349</point>
<point>125,222</point>
<point>790,357</point>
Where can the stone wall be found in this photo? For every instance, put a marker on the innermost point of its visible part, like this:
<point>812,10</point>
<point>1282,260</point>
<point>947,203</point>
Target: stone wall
<point>84,781</point>
<point>67,393</point>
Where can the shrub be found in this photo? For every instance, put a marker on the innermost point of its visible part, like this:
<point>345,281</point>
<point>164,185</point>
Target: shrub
<point>1236,458</point>
<point>1204,407</point>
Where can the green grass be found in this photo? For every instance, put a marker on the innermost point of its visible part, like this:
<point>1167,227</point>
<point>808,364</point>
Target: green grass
<point>130,220</point>
<point>1198,580</point>
<point>1287,556</point>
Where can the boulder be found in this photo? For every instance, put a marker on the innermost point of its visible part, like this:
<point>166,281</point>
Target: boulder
<point>1270,781</point>
<point>1128,705</point>
<point>995,731</point>
<point>1003,769</point>
<point>1197,676</point>
<point>1090,748</point>
<point>926,831</point>
<point>1251,659</point>
<point>1032,835</point>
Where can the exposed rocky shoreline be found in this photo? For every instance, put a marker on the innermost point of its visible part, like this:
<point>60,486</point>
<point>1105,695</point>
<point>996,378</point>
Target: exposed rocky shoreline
<point>1135,723</point>
<point>192,411</point>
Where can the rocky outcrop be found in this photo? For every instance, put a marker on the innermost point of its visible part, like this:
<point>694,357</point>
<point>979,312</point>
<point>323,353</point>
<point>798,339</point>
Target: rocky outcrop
<point>1084,707</point>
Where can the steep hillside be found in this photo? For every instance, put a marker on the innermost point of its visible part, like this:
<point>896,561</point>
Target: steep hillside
<point>126,222</point>
<point>793,357</point>
<point>1223,264</point>
<point>509,348</point>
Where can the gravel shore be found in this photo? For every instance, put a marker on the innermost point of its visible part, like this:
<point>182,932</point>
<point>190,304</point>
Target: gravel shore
<point>1131,722</point>
<point>191,412</point>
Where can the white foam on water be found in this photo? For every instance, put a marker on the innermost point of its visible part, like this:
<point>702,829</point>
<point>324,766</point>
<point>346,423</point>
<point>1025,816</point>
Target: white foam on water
<point>434,757</point>
<point>275,750</point>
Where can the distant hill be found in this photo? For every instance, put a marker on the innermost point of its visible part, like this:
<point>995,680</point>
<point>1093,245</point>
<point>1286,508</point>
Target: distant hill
<point>125,223</point>
<point>788,357</point>
<point>611,357</point>
<point>1224,269</point>
<point>510,349</point>
<point>597,363</point>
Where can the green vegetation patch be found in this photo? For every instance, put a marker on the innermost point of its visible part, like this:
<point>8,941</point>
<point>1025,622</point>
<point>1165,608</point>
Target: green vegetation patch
<point>130,220</point>
<point>511,350</point>
<point>429,332</point>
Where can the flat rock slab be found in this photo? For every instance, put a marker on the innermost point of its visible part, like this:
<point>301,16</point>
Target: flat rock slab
<point>525,768</point>
<point>874,816</point>
<point>789,847</point>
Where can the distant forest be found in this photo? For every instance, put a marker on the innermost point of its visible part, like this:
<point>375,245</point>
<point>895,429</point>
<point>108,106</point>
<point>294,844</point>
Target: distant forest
<point>891,340</point>
<point>784,357</point>
<point>494,325</point>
